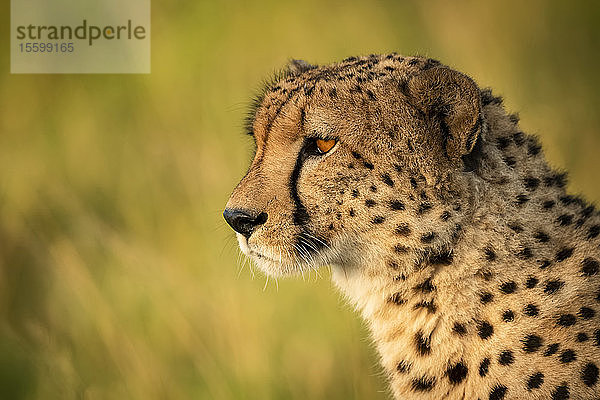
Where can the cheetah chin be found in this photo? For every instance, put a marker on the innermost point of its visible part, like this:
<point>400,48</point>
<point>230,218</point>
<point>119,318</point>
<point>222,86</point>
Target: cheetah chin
<point>445,227</point>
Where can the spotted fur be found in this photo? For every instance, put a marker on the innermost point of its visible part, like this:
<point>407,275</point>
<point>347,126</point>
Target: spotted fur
<point>479,275</point>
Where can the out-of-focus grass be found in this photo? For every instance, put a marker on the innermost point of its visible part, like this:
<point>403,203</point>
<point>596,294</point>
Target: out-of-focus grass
<point>118,277</point>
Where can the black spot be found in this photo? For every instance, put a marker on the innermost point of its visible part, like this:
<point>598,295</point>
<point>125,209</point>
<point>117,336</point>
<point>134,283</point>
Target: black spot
<point>397,205</point>
<point>532,343</point>
<point>557,179</point>
<point>403,230</point>
<point>582,337</point>
<point>545,263</point>
<point>490,255</point>
<point>403,367</point>
<point>486,297</point>
<point>498,392</point>
<point>541,237</point>
<point>593,232</point>
<point>561,392</point>
<point>387,179</point>
<point>522,199</point>
<point>333,93</point>
<point>531,310</point>
<point>355,193</point>
<point>587,212</point>
<point>535,381</point>
<point>401,249</point>
<point>428,305</point>
<point>564,253</point>
<point>534,149</point>
<point>548,204</point>
<point>503,143</point>
<point>565,220</point>
<point>519,138</point>
<point>422,343</point>
<point>424,207</point>
<point>371,94</point>
<point>551,349</point>
<point>485,329</point>
<point>370,202</point>
<point>443,257</point>
<point>459,329</point>
<point>368,165</point>
<point>566,320</point>
<point>525,253</point>
<point>508,316</point>
<point>553,286</point>
<point>590,267</point>
<point>517,228</point>
<point>568,200</point>
<point>586,313</point>
<point>532,183</point>
<point>532,281</point>
<point>413,182</point>
<point>377,220</point>
<point>423,384</point>
<point>487,275</point>
<point>484,367</point>
<point>589,374</point>
<point>426,286</point>
<point>457,373</point>
<point>567,356</point>
<point>508,287</point>
<point>373,188</point>
<point>506,358</point>
<point>428,237</point>
<point>488,98</point>
<point>397,299</point>
<point>445,216</point>
<point>352,212</point>
<point>356,155</point>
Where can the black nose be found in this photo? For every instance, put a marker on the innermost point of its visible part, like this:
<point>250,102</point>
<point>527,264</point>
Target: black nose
<point>244,221</point>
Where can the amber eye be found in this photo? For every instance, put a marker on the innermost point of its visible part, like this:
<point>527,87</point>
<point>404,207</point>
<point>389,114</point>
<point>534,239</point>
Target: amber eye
<point>325,145</point>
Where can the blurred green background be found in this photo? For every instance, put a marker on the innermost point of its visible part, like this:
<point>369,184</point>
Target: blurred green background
<point>118,276</point>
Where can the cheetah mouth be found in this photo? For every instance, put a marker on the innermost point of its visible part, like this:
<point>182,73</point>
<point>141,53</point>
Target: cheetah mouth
<point>254,253</point>
<point>262,256</point>
<point>305,253</point>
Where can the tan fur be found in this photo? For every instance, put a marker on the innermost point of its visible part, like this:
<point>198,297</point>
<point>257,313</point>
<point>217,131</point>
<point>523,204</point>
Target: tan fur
<point>438,216</point>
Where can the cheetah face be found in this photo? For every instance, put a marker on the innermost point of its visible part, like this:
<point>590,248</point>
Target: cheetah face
<point>338,156</point>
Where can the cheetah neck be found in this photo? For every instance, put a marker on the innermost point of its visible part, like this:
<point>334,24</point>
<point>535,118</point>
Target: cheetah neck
<point>432,320</point>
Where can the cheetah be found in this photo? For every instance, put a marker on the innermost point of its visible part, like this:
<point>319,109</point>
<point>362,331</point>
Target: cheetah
<point>444,226</point>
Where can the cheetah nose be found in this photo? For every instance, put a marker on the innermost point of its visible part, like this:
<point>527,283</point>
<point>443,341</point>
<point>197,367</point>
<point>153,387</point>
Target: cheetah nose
<point>244,221</point>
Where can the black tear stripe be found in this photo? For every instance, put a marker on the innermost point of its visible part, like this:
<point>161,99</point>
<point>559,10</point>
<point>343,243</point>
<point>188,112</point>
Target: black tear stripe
<point>305,241</point>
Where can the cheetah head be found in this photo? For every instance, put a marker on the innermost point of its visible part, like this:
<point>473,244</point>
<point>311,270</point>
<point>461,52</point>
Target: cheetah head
<point>353,154</point>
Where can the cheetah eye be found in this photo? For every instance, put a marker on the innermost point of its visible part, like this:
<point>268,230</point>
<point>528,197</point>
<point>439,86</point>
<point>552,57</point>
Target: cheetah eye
<point>318,147</point>
<point>325,145</point>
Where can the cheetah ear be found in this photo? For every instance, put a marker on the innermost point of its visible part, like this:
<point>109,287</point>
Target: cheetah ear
<point>296,67</point>
<point>454,99</point>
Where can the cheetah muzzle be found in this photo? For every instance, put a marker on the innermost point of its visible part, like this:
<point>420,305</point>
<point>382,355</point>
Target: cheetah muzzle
<point>441,220</point>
